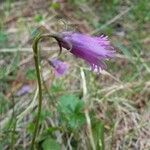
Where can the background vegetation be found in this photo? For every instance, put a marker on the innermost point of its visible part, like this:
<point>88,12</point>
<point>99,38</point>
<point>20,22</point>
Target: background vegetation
<point>111,109</point>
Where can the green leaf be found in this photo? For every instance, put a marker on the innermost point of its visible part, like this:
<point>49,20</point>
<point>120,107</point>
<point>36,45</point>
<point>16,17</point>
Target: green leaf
<point>50,144</point>
<point>71,110</point>
<point>31,74</point>
<point>69,104</point>
<point>75,121</point>
<point>38,18</point>
<point>55,5</point>
<point>31,127</point>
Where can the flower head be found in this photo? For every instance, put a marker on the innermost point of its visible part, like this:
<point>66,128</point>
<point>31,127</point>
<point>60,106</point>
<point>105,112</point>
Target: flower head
<point>94,50</point>
<point>59,66</point>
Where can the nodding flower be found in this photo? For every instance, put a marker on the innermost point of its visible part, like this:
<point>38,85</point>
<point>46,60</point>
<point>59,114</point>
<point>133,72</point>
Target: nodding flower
<point>95,50</point>
<point>59,67</point>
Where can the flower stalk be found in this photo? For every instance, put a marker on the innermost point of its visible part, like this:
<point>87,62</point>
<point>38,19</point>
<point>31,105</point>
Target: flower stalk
<point>37,67</point>
<point>39,80</point>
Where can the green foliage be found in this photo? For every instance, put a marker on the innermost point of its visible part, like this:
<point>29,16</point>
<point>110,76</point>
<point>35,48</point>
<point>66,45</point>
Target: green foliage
<point>98,132</point>
<point>3,38</point>
<point>31,74</point>
<point>2,72</point>
<point>141,12</point>
<point>4,103</point>
<point>77,2</point>
<point>38,18</point>
<point>31,127</point>
<point>50,144</point>
<point>55,5</point>
<point>71,110</point>
<point>57,87</point>
<point>45,114</point>
<point>1,146</point>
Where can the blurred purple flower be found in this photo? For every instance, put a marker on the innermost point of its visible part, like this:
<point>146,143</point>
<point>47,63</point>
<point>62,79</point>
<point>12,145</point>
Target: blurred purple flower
<point>25,89</point>
<point>94,50</point>
<point>59,66</point>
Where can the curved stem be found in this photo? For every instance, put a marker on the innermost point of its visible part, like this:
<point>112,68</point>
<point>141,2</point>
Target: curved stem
<point>37,64</point>
<point>36,61</point>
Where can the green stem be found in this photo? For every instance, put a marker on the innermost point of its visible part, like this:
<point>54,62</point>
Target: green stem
<point>36,61</point>
<point>14,126</point>
<point>37,64</point>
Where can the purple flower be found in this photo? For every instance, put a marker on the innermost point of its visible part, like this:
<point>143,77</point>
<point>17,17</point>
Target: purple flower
<point>59,66</point>
<point>24,90</point>
<point>94,50</point>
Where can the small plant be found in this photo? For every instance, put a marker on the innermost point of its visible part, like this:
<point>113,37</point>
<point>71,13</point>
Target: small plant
<point>94,50</point>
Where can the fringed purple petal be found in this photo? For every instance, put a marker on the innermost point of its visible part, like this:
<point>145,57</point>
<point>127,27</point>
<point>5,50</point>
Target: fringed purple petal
<point>95,50</point>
